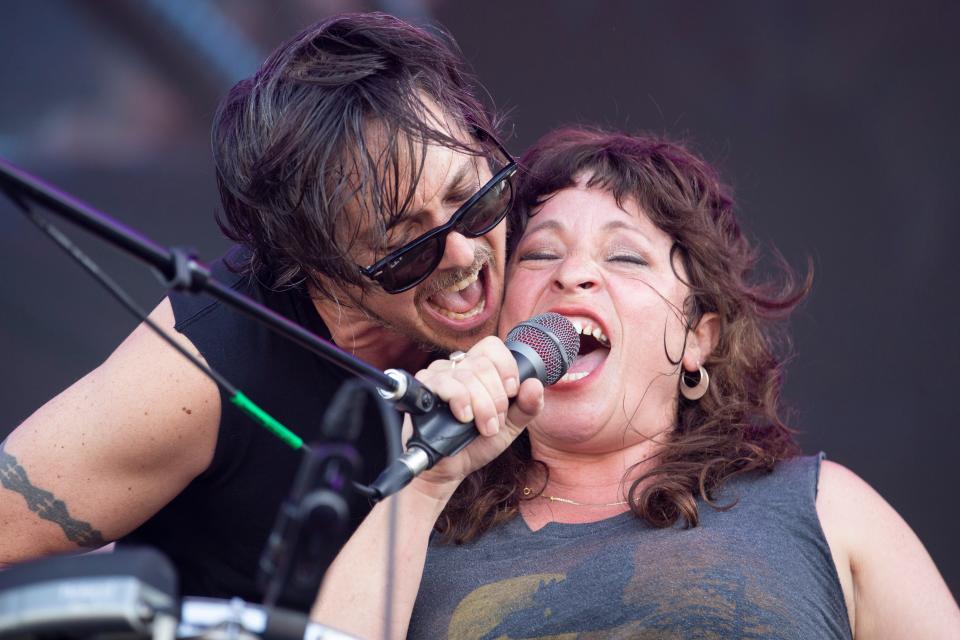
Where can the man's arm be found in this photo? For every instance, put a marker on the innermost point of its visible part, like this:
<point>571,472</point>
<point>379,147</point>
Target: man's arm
<point>107,453</point>
<point>892,587</point>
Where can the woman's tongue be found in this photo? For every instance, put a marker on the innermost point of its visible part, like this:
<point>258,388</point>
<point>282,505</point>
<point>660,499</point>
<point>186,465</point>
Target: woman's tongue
<point>459,302</point>
<point>589,361</point>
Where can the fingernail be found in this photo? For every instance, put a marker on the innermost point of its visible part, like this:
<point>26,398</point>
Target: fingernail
<point>466,414</point>
<point>493,425</point>
<point>512,386</point>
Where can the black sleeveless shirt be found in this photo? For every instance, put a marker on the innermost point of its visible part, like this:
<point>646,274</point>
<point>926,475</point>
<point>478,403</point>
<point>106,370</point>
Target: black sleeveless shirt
<point>215,530</point>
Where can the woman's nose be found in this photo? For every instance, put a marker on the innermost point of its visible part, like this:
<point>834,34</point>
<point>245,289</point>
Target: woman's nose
<point>576,273</point>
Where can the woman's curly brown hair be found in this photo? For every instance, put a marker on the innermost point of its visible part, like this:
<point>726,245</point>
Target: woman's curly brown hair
<point>737,426</point>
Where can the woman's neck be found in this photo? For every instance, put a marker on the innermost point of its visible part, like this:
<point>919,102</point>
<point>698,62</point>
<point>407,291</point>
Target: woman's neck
<point>583,487</point>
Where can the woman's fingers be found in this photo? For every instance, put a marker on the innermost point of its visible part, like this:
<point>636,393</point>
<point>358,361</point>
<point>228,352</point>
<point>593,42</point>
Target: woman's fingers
<point>449,389</point>
<point>503,361</point>
<point>497,371</point>
<point>473,391</point>
<point>477,386</point>
<point>527,404</point>
<point>477,389</point>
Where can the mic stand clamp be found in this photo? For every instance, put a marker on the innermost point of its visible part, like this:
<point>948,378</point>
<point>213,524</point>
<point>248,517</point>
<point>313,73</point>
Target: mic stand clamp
<point>186,272</point>
<point>409,396</point>
<point>315,520</point>
<point>312,525</point>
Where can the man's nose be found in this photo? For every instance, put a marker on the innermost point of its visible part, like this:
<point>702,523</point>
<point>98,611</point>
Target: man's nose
<point>459,252</point>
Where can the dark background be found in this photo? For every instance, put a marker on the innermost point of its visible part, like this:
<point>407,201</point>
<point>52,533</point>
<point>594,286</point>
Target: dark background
<point>835,123</point>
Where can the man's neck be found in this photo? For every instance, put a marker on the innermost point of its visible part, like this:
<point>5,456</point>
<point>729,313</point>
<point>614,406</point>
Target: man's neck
<point>368,339</point>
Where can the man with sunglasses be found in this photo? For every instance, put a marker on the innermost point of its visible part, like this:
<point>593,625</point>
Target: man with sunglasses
<point>366,190</point>
<point>441,279</point>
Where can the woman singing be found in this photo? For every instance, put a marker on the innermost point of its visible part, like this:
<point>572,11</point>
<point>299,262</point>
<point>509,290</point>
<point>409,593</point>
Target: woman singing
<point>654,491</point>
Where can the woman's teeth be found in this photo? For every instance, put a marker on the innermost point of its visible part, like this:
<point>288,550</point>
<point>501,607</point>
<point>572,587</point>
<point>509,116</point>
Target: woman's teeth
<point>586,328</point>
<point>591,359</point>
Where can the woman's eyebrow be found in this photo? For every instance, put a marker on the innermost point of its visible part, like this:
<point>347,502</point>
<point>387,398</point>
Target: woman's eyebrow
<point>614,225</point>
<point>553,225</point>
<point>556,225</point>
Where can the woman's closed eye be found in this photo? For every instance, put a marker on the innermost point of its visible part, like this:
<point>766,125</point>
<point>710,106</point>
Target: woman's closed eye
<point>627,258</point>
<point>538,254</point>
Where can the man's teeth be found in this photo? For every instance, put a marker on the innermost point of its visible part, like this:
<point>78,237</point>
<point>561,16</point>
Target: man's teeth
<point>463,284</point>
<point>586,328</point>
<point>453,315</point>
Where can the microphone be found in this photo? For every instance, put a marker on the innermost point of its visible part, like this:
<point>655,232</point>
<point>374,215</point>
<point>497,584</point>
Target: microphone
<point>543,346</point>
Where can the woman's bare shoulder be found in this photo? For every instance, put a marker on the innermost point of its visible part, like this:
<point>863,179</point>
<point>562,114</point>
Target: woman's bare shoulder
<point>892,586</point>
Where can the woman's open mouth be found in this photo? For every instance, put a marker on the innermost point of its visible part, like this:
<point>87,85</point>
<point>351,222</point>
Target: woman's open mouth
<point>594,349</point>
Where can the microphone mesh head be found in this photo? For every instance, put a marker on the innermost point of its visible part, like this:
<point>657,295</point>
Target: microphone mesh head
<point>553,338</point>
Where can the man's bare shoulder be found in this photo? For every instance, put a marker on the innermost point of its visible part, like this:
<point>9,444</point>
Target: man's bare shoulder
<point>109,451</point>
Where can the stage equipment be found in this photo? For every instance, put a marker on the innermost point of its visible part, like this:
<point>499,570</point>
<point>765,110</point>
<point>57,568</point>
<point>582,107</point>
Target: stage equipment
<point>314,522</point>
<point>131,594</point>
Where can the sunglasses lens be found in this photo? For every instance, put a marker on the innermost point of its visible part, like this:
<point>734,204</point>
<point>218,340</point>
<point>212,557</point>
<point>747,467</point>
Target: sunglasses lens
<point>489,210</point>
<point>411,267</point>
<point>418,259</point>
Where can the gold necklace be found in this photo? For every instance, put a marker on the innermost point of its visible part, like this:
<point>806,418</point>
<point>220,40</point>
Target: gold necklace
<point>527,491</point>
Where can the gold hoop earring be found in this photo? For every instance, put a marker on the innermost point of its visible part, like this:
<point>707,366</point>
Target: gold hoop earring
<point>697,390</point>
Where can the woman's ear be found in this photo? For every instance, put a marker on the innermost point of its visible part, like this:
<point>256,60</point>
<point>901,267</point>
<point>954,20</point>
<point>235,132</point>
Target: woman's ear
<point>702,341</point>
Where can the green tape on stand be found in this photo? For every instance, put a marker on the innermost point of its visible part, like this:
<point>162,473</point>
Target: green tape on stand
<point>246,405</point>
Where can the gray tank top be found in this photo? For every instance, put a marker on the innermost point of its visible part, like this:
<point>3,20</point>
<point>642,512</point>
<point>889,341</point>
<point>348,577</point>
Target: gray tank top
<point>759,570</point>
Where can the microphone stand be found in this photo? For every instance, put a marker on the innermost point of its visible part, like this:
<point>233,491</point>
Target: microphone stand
<point>181,271</point>
<point>294,561</point>
<point>314,522</point>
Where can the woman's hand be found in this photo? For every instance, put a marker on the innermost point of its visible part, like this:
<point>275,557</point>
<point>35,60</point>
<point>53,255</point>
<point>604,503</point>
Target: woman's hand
<point>478,388</point>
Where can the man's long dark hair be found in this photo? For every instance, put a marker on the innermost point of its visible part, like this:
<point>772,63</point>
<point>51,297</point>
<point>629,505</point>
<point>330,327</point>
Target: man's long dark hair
<point>737,426</point>
<point>338,116</point>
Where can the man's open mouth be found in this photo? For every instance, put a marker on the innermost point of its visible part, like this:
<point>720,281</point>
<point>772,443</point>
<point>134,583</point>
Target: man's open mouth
<point>594,349</point>
<point>463,299</point>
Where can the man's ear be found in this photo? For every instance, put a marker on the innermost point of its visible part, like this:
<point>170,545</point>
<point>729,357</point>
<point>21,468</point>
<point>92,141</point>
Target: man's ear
<point>701,341</point>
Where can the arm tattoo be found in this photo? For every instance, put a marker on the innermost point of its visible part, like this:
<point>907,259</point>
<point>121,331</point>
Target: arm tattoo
<point>45,504</point>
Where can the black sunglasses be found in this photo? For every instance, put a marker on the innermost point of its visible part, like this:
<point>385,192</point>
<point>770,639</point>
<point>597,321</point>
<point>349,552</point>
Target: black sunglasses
<point>410,265</point>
